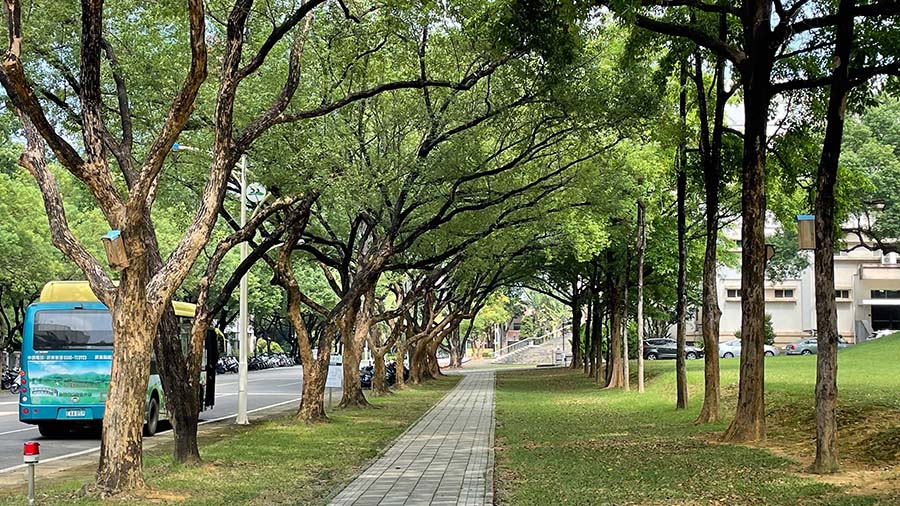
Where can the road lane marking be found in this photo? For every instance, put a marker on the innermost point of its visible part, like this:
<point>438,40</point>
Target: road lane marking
<point>8,403</point>
<point>289,384</point>
<point>10,413</point>
<point>248,381</point>
<point>17,430</point>
<point>97,448</point>
<point>277,404</point>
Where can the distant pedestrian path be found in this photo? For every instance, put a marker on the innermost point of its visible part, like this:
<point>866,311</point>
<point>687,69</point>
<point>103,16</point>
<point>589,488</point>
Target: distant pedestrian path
<point>444,459</point>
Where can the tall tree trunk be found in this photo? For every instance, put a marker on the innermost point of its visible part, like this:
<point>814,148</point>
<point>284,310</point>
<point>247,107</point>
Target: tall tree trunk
<point>749,422</point>
<point>576,325</point>
<point>182,392</point>
<point>354,326</point>
<point>401,357</point>
<point>379,374</point>
<point>826,311</point>
<point>465,342</point>
<point>615,371</point>
<point>596,337</point>
<point>180,379</point>
<point>431,360</point>
<point>588,340</point>
<point>455,356</point>
<point>711,156</point>
<point>315,369</point>
<point>315,375</point>
<point>457,348</point>
<point>680,309</point>
<point>134,325</point>
<point>640,292</point>
<point>626,373</point>
<point>418,369</point>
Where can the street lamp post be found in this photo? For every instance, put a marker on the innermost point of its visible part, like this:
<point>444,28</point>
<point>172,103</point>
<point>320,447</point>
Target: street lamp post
<point>243,335</point>
<point>243,345</point>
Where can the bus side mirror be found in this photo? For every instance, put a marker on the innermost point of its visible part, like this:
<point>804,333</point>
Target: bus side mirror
<point>115,250</point>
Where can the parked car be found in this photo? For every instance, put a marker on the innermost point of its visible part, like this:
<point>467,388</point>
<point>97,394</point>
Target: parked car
<point>731,349</point>
<point>881,333</point>
<point>666,348</point>
<point>810,346</point>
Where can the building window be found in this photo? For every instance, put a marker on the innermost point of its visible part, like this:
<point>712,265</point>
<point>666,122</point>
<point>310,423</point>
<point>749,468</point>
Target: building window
<point>733,293</point>
<point>886,294</point>
<point>842,294</point>
<point>784,294</point>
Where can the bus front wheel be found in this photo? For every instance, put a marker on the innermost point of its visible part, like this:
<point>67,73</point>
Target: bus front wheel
<point>152,417</point>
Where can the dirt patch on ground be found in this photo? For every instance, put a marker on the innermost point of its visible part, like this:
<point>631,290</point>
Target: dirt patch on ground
<point>862,482</point>
<point>868,436</point>
<point>868,442</point>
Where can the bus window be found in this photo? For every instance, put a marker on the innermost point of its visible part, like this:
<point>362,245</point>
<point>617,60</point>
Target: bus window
<point>77,329</point>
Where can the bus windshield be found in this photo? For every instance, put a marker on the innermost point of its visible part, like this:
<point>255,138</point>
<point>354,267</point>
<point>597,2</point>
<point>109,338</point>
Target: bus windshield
<point>72,329</point>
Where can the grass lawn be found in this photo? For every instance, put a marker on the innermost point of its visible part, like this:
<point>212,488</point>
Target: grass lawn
<point>562,441</point>
<point>272,462</point>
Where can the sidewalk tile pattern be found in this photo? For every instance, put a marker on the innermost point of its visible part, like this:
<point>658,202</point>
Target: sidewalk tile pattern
<point>446,458</point>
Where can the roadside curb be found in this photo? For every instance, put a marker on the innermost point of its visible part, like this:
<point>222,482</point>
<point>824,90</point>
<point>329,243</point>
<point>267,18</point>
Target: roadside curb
<point>57,466</point>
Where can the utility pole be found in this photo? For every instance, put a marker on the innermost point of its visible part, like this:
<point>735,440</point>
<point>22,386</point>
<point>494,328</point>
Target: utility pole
<point>243,345</point>
<point>243,335</point>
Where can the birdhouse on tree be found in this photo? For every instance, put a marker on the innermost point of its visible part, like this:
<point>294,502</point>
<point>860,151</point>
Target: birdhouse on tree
<point>806,231</point>
<point>115,250</point>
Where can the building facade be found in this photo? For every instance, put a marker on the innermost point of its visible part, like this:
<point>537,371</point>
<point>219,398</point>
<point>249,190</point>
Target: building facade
<point>867,290</point>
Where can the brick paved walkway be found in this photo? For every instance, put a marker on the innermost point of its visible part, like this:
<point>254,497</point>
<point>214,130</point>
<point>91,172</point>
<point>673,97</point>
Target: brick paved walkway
<point>446,458</point>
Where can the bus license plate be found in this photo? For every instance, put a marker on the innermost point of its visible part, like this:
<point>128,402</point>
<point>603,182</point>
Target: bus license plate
<point>75,413</point>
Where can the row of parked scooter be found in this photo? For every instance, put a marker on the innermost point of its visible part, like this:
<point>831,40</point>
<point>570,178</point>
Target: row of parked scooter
<point>12,380</point>
<point>390,374</point>
<point>228,363</point>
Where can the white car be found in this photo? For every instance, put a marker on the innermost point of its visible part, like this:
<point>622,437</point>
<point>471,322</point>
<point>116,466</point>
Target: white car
<point>731,349</point>
<point>883,332</point>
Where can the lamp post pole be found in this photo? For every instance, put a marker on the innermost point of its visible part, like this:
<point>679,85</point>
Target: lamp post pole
<point>243,345</point>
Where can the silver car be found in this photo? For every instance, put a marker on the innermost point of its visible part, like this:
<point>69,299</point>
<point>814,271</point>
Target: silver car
<point>731,349</point>
<point>810,346</point>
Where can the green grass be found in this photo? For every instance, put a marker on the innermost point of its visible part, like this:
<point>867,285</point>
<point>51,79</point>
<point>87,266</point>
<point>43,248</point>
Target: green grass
<point>272,462</point>
<point>562,441</point>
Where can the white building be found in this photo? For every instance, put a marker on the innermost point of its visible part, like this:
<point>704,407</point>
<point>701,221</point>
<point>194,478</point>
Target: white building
<point>867,286</point>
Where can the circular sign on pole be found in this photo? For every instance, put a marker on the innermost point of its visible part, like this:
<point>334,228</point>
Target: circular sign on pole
<point>256,192</point>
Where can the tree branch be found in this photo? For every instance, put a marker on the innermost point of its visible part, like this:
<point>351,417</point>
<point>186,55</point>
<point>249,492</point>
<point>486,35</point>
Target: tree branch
<point>701,38</point>
<point>33,160</point>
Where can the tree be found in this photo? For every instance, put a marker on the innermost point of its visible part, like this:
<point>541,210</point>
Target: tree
<point>826,309</point>
<point>642,240</point>
<point>681,190</point>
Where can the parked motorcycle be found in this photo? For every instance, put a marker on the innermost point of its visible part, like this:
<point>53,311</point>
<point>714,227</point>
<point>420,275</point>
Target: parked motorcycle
<point>228,364</point>
<point>390,374</point>
<point>12,380</point>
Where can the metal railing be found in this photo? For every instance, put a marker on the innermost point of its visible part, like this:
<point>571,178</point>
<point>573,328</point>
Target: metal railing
<point>528,343</point>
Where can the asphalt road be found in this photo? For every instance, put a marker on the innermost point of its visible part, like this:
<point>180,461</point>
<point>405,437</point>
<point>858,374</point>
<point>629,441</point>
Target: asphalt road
<point>265,389</point>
